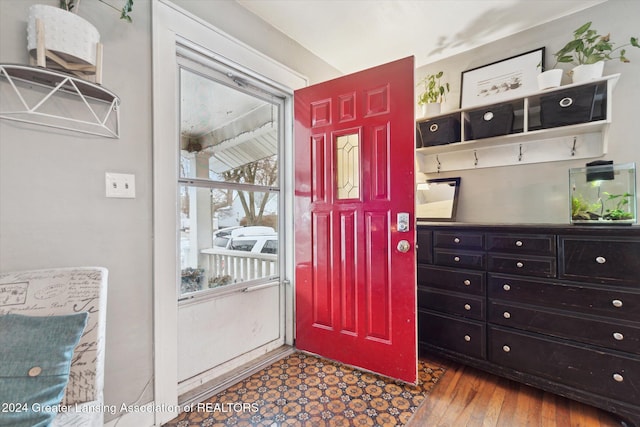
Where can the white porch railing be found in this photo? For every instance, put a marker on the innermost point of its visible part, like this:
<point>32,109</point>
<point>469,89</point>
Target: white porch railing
<point>240,266</point>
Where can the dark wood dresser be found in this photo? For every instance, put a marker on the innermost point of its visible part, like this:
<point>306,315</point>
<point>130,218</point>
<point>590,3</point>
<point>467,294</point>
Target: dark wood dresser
<point>555,307</point>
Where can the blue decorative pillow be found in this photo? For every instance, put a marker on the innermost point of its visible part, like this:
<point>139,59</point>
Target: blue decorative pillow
<point>35,359</point>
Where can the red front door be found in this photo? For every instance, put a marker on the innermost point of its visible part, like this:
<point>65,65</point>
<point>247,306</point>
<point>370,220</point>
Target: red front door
<point>355,261</point>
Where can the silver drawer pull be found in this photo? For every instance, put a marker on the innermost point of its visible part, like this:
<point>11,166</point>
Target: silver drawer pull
<point>467,307</point>
<point>456,258</point>
<point>618,336</point>
<point>616,303</point>
<point>456,240</point>
<point>565,102</point>
<point>618,377</point>
<point>506,348</point>
<point>519,264</point>
<point>519,243</point>
<point>601,259</point>
<point>467,282</point>
<point>506,287</point>
<point>506,315</point>
<point>467,338</point>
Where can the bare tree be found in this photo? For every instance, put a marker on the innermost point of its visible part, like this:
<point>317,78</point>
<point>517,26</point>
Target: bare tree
<point>262,172</point>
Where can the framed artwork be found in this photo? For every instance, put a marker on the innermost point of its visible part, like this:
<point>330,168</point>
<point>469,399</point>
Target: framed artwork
<point>509,78</point>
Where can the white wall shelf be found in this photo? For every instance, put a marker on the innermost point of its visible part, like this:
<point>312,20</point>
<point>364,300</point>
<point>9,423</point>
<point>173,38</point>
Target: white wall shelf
<point>530,145</point>
<point>56,99</point>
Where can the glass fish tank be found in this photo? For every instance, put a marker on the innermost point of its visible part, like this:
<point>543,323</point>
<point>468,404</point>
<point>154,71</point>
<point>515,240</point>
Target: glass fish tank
<point>602,193</point>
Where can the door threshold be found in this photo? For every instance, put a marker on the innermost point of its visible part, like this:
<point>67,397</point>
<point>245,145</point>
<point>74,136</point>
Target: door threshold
<point>216,385</point>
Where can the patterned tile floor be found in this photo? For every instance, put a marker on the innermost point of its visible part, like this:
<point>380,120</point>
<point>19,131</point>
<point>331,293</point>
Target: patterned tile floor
<point>304,390</point>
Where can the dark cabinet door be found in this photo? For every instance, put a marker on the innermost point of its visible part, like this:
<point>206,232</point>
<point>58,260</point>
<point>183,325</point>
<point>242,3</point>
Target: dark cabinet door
<point>424,241</point>
<point>607,374</point>
<point>467,281</point>
<point>603,332</point>
<point>601,261</point>
<point>461,336</point>
<point>458,240</point>
<point>536,244</point>
<point>452,303</point>
<point>525,265</point>
<point>460,259</point>
<point>609,302</point>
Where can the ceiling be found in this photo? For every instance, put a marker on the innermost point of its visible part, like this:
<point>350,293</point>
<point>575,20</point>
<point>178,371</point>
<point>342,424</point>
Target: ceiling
<point>353,35</point>
<point>350,35</point>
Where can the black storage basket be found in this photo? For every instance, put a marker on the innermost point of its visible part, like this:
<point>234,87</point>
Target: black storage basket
<point>440,130</point>
<point>572,106</point>
<point>493,120</point>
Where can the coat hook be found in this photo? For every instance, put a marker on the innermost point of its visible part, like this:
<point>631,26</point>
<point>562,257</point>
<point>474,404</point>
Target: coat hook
<point>475,155</point>
<point>439,164</point>
<point>520,153</point>
<point>573,149</point>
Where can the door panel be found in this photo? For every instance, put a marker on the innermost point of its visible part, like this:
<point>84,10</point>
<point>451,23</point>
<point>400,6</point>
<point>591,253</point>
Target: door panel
<point>354,172</point>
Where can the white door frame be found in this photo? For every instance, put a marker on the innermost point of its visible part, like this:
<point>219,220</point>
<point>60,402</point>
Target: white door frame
<point>170,24</point>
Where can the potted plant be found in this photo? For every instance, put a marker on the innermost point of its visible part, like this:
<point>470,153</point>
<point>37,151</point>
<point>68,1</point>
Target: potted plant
<point>191,279</point>
<point>71,42</point>
<point>433,94</point>
<point>589,50</point>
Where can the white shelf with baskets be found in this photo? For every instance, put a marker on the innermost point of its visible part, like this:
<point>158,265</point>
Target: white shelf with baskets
<point>530,143</point>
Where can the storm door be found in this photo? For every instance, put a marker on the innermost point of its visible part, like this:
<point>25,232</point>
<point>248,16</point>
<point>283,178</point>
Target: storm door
<point>230,294</point>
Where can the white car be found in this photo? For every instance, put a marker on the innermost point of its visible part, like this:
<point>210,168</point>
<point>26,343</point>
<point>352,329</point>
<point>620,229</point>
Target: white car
<point>254,239</point>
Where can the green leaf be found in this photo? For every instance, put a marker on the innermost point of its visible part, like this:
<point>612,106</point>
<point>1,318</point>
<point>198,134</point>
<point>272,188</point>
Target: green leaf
<point>582,29</point>
<point>634,42</point>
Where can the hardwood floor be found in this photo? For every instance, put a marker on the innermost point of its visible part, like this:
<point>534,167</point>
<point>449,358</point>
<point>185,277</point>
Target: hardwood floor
<point>469,397</point>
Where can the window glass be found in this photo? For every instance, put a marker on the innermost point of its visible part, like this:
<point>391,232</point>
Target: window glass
<point>217,241</point>
<point>229,177</point>
<point>242,245</point>
<point>270,247</point>
<point>235,142</point>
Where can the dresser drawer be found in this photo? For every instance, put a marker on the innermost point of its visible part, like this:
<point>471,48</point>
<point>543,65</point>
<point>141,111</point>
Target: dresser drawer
<point>460,259</point>
<point>591,300</point>
<point>458,240</point>
<point>539,244</point>
<point>467,281</point>
<point>601,261</point>
<point>614,335</point>
<point>424,242</point>
<point>455,334</point>
<point>608,374</point>
<point>452,303</point>
<point>525,265</point>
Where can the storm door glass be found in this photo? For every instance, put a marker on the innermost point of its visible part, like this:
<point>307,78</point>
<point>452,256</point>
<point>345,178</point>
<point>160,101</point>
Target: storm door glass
<point>228,180</point>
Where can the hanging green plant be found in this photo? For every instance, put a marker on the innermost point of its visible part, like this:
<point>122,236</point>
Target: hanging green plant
<point>74,5</point>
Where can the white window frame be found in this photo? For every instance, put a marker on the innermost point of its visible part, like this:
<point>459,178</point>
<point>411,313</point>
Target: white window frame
<point>170,25</point>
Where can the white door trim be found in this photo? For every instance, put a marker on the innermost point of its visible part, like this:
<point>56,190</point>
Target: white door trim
<point>171,23</point>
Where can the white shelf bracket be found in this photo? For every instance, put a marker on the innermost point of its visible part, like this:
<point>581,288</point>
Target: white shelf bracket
<point>98,107</point>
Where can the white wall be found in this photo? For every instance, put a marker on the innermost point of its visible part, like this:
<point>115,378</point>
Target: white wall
<point>538,193</point>
<point>233,19</point>
<point>53,211</point>
<point>52,206</point>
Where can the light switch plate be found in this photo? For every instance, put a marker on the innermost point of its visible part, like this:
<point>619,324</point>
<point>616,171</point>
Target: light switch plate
<point>120,185</point>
